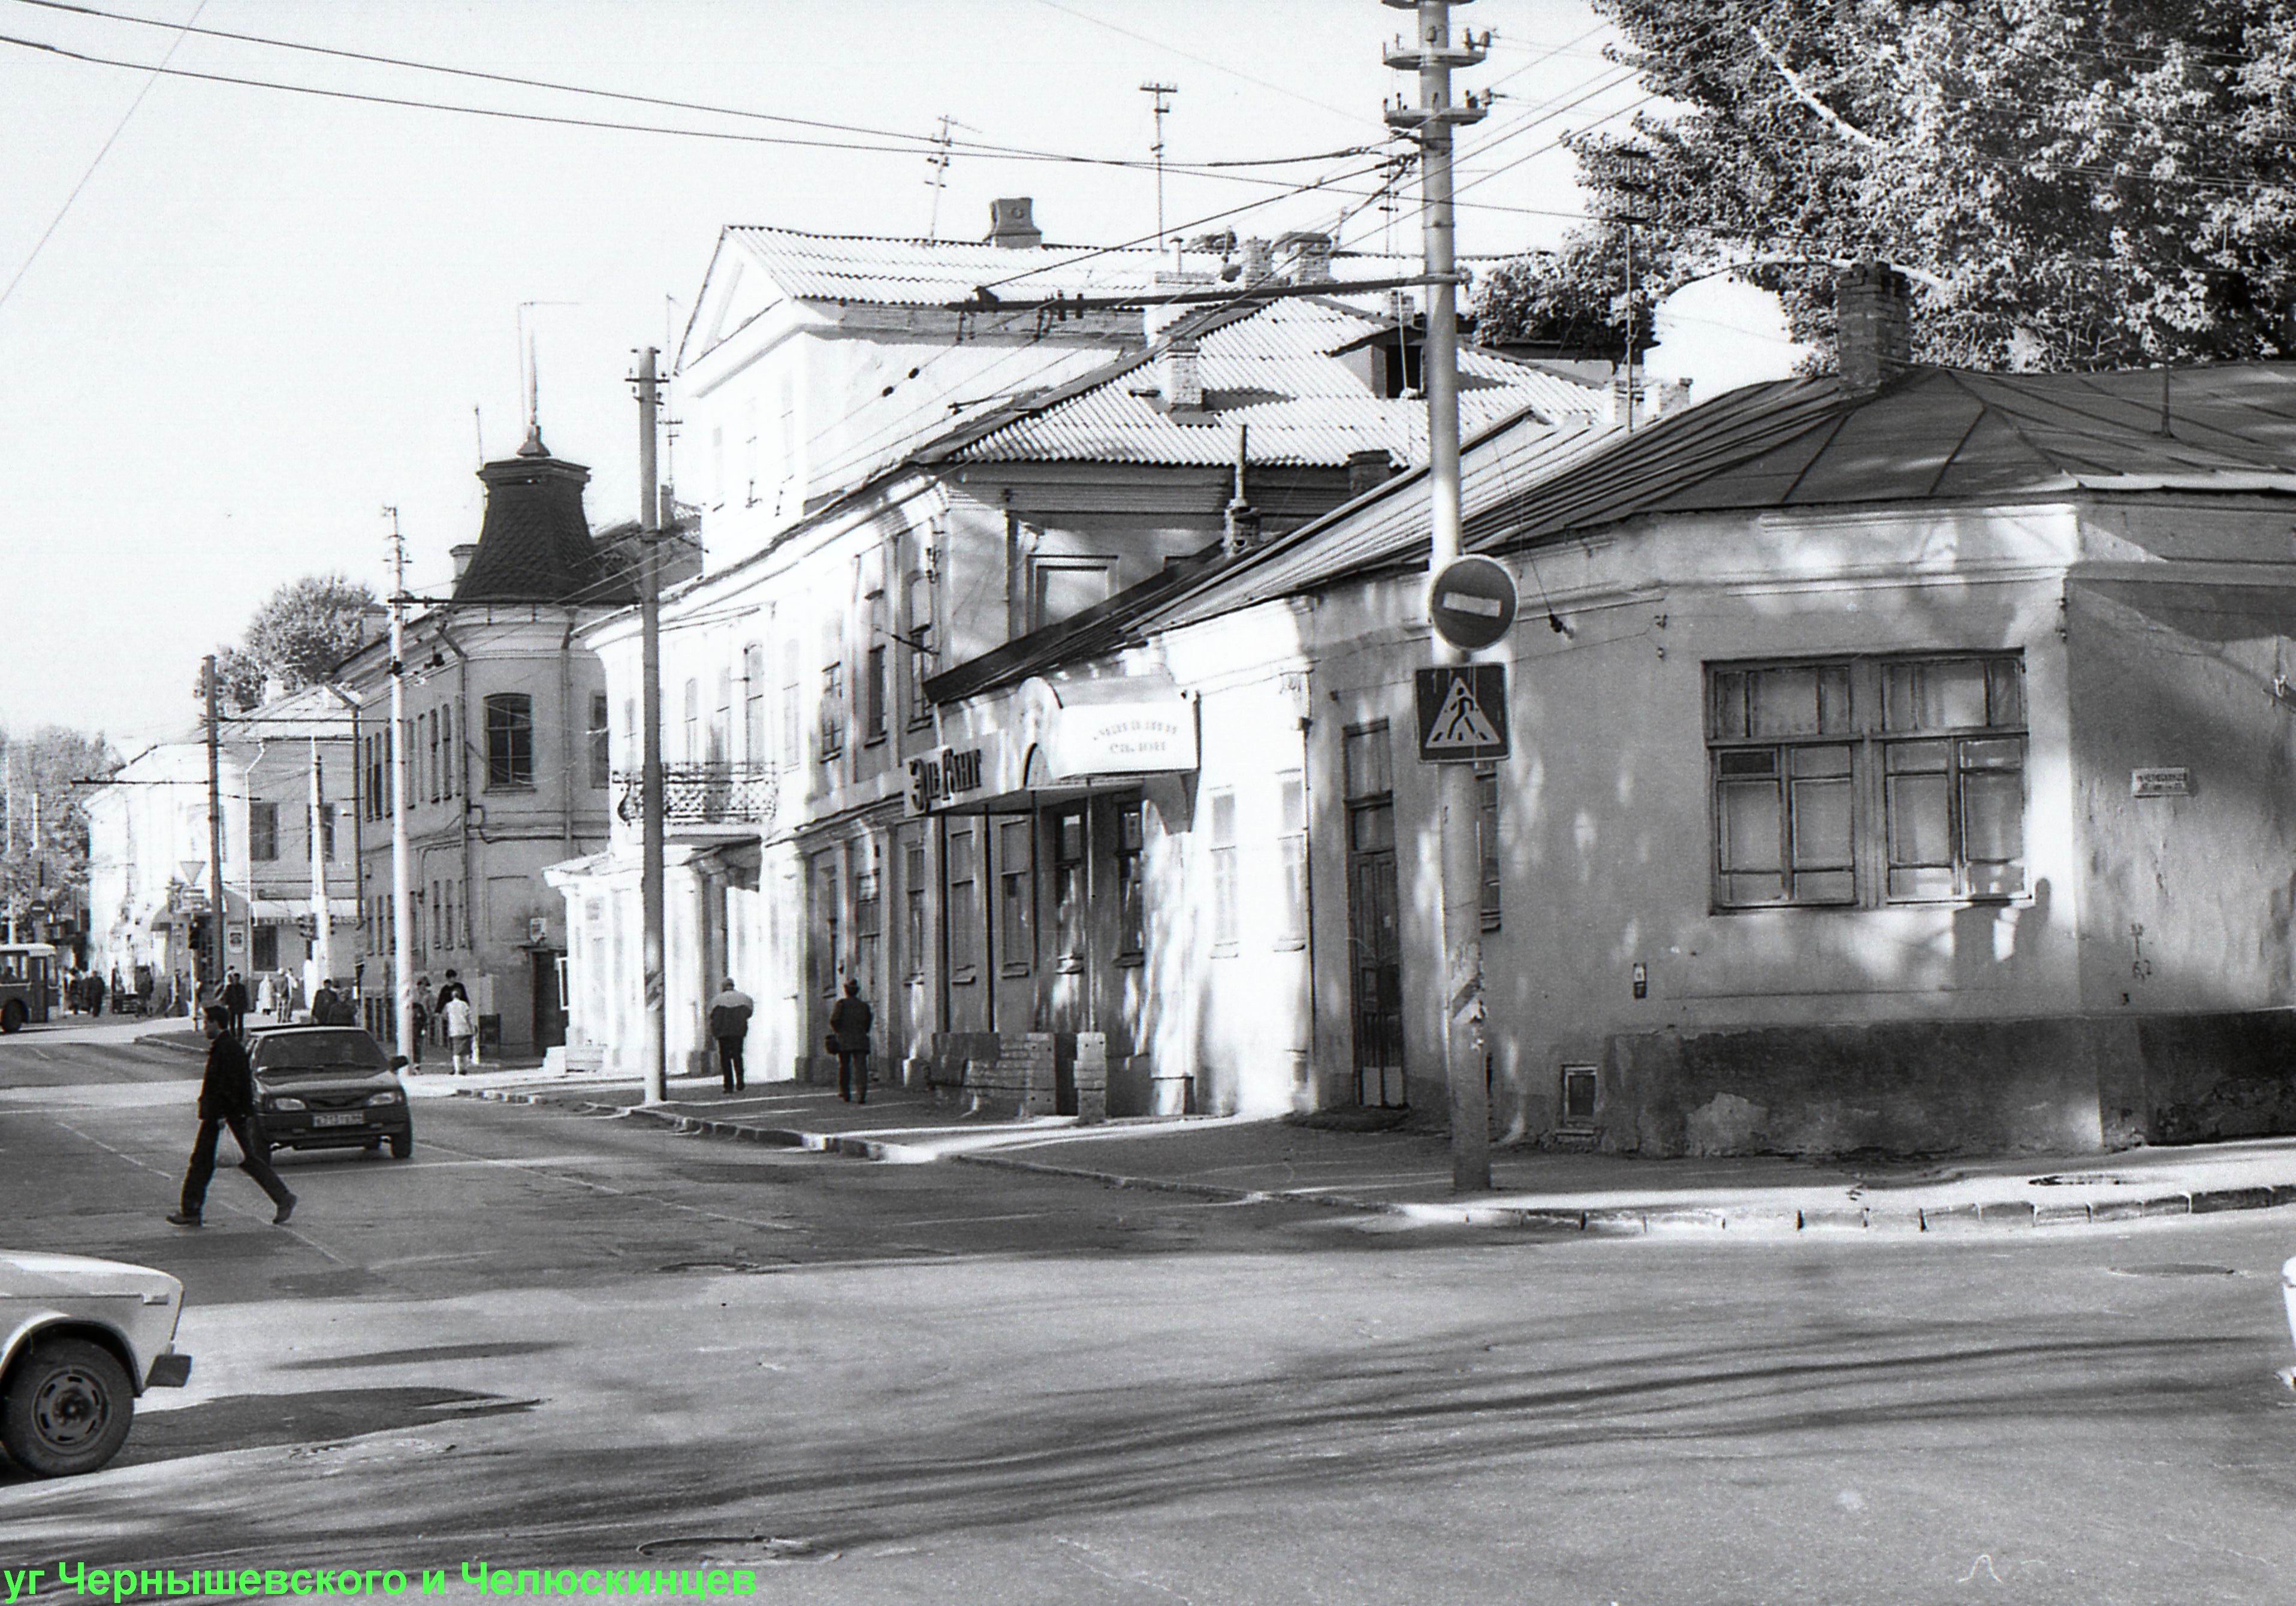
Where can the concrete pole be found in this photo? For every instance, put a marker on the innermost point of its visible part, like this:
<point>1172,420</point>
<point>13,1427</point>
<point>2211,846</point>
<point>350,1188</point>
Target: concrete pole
<point>323,927</point>
<point>215,826</point>
<point>402,887</point>
<point>1461,962</point>
<point>654,1047</point>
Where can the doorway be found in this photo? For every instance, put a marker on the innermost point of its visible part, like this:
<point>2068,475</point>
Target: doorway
<point>1375,928</point>
<point>549,999</point>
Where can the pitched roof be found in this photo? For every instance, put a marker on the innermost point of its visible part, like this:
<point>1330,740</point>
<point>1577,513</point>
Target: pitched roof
<point>1280,367</point>
<point>933,273</point>
<point>534,545</point>
<point>1933,434</point>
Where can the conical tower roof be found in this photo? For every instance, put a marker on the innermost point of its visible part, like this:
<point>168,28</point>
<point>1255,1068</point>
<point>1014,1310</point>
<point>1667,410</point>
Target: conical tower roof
<point>534,545</point>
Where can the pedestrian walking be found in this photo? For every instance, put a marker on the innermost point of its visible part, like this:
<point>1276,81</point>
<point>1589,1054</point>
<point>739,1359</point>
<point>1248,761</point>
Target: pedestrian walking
<point>462,1026</point>
<point>848,1033</point>
<point>426,1007</point>
<point>421,1011</point>
<point>729,1025</point>
<point>267,997</point>
<point>227,1099</point>
<point>323,1003</point>
<point>94,993</point>
<point>234,999</point>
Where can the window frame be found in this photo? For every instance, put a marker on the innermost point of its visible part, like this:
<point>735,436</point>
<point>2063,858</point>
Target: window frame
<point>1880,714</point>
<point>509,763</point>
<point>1016,895</point>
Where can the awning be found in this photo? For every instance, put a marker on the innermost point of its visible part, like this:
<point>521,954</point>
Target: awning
<point>276,909</point>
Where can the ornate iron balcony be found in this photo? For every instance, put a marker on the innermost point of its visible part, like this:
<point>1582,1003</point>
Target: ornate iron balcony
<point>704,794</point>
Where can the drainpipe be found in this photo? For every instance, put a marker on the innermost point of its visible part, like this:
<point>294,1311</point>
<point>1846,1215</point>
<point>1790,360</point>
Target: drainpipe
<point>459,772</point>
<point>566,718</point>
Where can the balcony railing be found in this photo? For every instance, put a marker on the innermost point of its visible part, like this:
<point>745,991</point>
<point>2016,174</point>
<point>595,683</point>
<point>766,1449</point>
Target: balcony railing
<point>703,794</point>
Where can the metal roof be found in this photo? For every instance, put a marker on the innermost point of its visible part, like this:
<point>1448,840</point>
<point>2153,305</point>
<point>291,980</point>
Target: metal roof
<point>1274,368</point>
<point>1932,434</point>
<point>933,273</point>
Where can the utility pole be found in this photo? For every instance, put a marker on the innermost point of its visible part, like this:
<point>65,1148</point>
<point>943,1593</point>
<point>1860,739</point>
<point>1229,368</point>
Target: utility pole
<point>654,1047</point>
<point>323,928</point>
<point>1163,93</point>
<point>938,162</point>
<point>1432,53</point>
<point>402,872</point>
<point>214,825</point>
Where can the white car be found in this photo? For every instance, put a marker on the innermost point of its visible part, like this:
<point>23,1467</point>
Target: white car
<point>79,1340</point>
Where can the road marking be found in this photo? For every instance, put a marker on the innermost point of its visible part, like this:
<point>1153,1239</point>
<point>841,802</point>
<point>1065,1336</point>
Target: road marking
<point>307,1242</point>
<point>599,1187</point>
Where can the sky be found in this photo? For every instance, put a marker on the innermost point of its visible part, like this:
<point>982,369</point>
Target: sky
<point>240,322</point>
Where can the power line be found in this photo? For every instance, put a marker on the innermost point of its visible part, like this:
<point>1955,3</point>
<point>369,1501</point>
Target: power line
<point>1214,63</point>
<point>118,129</point>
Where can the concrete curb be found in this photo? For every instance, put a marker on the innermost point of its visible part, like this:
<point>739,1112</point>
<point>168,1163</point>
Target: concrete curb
<point>1615,1221</point>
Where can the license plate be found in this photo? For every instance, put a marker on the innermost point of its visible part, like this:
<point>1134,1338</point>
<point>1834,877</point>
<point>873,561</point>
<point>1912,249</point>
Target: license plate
<point>348,1118</point>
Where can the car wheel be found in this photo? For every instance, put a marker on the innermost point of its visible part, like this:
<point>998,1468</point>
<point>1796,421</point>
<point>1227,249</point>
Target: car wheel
<point>67,1409</point>
<point>372,1145</point>
<point>11,1017</point>
<point>402,1144</point>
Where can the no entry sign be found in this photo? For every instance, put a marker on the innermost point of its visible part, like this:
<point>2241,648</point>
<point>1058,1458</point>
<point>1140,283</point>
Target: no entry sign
<point>1472,603</point>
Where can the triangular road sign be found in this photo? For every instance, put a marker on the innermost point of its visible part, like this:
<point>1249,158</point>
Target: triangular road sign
<point>1460,721</point>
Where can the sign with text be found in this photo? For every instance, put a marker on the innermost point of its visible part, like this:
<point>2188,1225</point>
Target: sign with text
<point>2159,784</point>
<point>1463,717</point>
<point>939,777</point>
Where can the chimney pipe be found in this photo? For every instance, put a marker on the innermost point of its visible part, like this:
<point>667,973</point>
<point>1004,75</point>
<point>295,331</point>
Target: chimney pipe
<point>1182,381</point>
<point>462,555</point>
<point>1368,470</point>
<point>1308,255</point>
<point>1873,326</point>
<point>1012,223</point>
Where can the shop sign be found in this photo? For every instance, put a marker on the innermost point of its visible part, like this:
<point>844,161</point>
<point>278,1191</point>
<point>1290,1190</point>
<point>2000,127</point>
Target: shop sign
<point>938,778</point>
<point>1123,738</point>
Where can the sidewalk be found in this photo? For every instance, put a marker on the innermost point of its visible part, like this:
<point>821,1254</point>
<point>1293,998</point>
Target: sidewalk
<point>1409,1174</point>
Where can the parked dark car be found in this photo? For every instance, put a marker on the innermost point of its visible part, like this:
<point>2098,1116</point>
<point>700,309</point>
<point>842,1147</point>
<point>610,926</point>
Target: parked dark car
<point>328,1087</point>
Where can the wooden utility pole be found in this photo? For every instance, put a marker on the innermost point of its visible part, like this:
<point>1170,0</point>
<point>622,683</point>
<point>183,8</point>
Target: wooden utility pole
<point>1432,53</point>
<point>654,1045</point>
<point>402,868</point>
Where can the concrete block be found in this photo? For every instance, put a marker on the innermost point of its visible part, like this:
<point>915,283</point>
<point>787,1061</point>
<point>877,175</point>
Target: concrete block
<point>2135,1209</point>
<point>2284,1193</point>
<point>2213,1199</point>
<point>1549,1221</point>
<point>2060,1214</point>
<point>1615,1222</point>
<point>1761,1218</point>
<point>2015,1213</point>
<point>1951,1219</point>
<point>1682,1219</point>
<point>1832,1218</point>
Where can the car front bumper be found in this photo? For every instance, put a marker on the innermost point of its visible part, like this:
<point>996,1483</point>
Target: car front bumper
<point>169,1370</point>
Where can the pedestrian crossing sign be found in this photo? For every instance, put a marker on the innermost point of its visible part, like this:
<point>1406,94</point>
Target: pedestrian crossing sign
<point>1463,717</point>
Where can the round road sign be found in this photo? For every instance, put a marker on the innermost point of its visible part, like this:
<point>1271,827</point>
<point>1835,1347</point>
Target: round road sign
<point>1472,603</point>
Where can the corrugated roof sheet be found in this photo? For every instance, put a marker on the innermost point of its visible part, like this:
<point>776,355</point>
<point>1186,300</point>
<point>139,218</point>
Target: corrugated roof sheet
<point>1272,368</point>
<point>932,273</point>
<point>1934,434</point>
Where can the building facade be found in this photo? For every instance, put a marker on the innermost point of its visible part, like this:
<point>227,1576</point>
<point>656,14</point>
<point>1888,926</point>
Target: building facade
<point>284,780</point>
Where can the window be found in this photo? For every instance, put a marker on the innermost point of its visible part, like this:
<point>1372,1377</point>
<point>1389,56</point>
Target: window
<point>1016,880</point>
<point>962,910</point>
<point>1862,781</point>
<point>1070,840</point>
<point>1058,587</point>
<point>631,757</point>
<point>912,891</point>
<point>920,646</point>
<point>262,831</point>
<point>792,715</point>
<point>264,954</point>
<point>822,962</point>
<point>721,719</point>
<point>602,754</point>
<point>1291,857</point>
<point>832,711</point>
<point>877,694</point>
<point>753,703</point>
<point>326,831</point>
<point>692,748</point>
<point>448,931</point>
<point>510,740</point>
<point>1486,842</point>
<point>1224,914</point>
<point>448,754</point>
<point>1370,791</point>
<point>430,763</point>
<point>1130,924</point>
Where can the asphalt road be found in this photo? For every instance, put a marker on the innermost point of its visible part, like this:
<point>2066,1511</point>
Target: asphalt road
<point>549,1340</point>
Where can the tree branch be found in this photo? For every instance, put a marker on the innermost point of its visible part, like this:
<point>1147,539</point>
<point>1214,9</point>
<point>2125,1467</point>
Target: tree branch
<point>1825,113</point>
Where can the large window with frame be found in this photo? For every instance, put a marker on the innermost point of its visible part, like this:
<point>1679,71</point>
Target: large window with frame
<point>602,754</point>
<point>1016,882</point>
<point>510,740</point>
<point>753,703</point>
<point>1864,782</point>
<point>962,916</point>
<point>1227,916</point>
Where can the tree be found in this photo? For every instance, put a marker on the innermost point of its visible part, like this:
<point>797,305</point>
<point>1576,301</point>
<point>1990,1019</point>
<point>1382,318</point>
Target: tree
<point>45,860</point>
<point>297,638</point>
<point>2073,184</point>
<point>1574,298</point>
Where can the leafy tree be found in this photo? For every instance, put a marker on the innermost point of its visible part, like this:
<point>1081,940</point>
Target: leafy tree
<point>296,638</point>
<point>45,857</point>
<point>1574,298</point>
<point>2073,184</point>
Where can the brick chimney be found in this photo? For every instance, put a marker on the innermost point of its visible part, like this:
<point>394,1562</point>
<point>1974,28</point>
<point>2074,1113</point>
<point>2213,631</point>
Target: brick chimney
<point>1258,260</point>
<point>462,555</point>
<point>1012,223</point>
<point>1180,375</point>
<point>1368,470</point>
<point>1874,340</point>
<point>1308,256</point>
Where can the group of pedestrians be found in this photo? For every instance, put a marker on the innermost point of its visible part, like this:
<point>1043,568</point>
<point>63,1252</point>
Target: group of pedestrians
<point>449,1009</point>
<point>850,1022</point>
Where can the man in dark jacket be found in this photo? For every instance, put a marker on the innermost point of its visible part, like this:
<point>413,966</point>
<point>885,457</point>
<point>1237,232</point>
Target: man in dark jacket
<point>227,1099</point>
<point>849,1029</point>
<point>729,1027</point>
<point>234,999</point>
